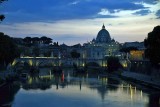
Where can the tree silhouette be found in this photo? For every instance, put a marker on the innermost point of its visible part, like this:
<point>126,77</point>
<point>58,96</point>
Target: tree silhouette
<point>27,40</point>
<point>36,40</point>
<point>2,17</point>
<point>113,64</point>
<point>46,40</point>
<point>152,44</point>
<point>36,51</point>
<point>8,50</point>
<point>2,1</point>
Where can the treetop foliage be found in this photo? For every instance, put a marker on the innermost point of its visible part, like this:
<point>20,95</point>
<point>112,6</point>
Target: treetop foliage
<point>2,1</point>
<point>152,44</point>
<point>8,49</point>
<point>32,40</point>
<point>113,64</point>
<point>2,17</point>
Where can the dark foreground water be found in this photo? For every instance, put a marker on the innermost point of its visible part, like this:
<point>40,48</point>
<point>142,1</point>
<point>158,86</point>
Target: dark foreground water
<point>80,91</point>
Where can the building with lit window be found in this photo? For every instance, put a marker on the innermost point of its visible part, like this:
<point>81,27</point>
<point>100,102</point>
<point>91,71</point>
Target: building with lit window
<point>101,47</point>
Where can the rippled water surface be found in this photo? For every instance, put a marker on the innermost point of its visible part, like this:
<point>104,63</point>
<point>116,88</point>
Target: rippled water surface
<point>79,91</point>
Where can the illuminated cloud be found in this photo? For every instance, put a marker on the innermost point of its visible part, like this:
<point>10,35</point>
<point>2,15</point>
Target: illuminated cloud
<point>104,12</point>
<point>80,20</point>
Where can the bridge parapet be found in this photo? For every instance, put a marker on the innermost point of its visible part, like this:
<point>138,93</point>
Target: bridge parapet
<point>36,61</point>
<point>39,61</point>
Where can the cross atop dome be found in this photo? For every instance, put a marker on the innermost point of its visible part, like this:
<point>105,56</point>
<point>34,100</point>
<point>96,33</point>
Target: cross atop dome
<point>103,27</point>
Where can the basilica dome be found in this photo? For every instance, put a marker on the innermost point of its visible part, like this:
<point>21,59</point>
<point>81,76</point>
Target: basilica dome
<point>103,36</point>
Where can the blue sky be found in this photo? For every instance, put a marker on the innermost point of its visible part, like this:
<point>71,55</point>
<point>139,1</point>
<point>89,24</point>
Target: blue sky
<point>78,21</point>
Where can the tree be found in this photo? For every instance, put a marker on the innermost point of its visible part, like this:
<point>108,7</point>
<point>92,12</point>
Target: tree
<point>35,40</point>
<point>113,63</point>
<point>2,17</point>
<point>55,44</point>
<point>27,40</point>
<point>8,50</point>
<point>2,1</point>
<point>46,40</point>
<point>152,44</point>
<point>36,51</point>
<point>75,54</point>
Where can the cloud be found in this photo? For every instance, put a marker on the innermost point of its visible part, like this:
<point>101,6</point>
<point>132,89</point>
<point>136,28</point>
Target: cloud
<point>81,30</point>
<point>74,3</point>
<point>148,8</point>
<point>80,20</point>
<point>119,13</point>
<point>104,12</point>
<point>50,10</point>
<point>142,12</point>
<point>158,13</point>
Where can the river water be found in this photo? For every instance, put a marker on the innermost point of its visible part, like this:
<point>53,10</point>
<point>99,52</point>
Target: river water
<point>77,91</point>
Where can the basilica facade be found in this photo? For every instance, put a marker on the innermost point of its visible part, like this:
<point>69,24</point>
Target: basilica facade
<point>101,47</point>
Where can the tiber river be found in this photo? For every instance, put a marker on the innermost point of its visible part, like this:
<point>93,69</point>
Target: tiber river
<point>77,91</point>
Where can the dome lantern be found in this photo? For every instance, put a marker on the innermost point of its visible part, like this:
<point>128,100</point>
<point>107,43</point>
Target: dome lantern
<point>103,27</point>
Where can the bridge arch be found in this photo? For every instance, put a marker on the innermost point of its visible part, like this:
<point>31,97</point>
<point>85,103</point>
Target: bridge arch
<point>92,64</point>
<point>45,63</point>
<point>100,62</point>
<point>124,63</point>
<point>20,66</point>
<point>20,63</point>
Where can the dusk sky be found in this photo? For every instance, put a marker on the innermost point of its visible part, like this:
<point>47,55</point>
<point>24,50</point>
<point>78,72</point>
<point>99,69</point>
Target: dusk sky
<point>78,21</point>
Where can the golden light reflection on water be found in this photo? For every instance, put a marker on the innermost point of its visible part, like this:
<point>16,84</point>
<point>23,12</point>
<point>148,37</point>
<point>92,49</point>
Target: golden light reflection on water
<point>131,92</point>
<point>102,88</point>
<point>141,93</point>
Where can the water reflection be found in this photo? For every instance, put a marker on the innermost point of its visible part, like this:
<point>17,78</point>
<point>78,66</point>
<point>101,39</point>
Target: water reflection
<point>82,90</point>
<point>103,86</point>
<point>7,94</point>
<point>154,100</point>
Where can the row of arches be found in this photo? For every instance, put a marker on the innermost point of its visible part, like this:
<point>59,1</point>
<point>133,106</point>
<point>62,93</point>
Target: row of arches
<point>51,63</point>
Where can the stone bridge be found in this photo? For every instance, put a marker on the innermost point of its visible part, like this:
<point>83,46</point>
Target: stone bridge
<point>51,61</point>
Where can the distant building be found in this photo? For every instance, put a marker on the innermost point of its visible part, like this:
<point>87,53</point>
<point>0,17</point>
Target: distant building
<point>137,55</point>
<point>101,47</point>
<point>138,45</point>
